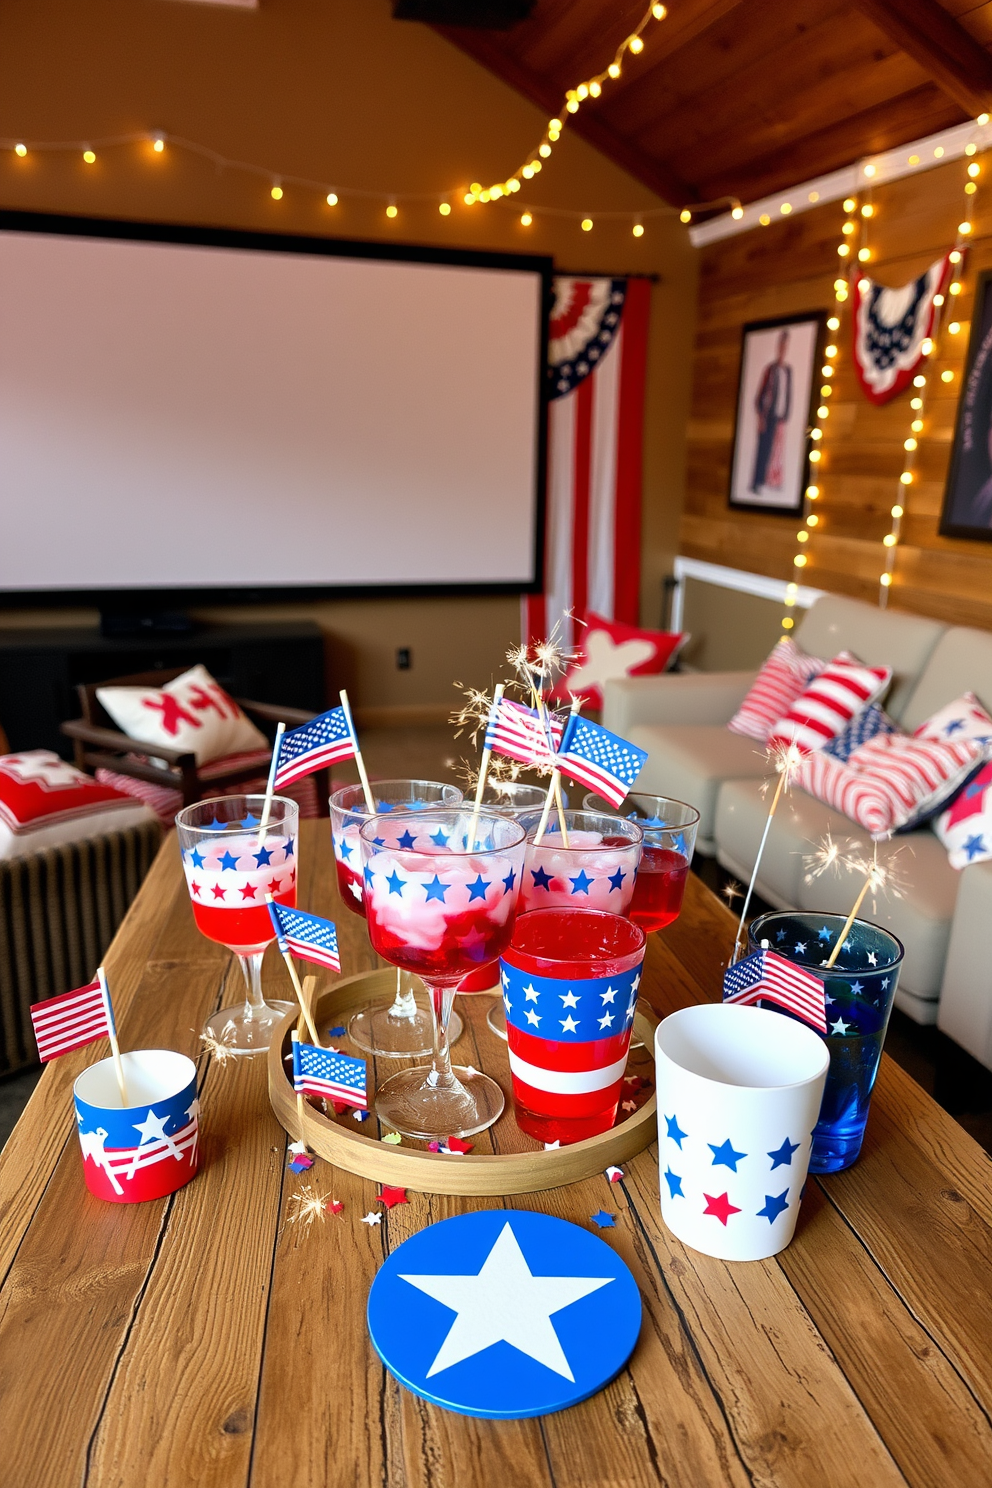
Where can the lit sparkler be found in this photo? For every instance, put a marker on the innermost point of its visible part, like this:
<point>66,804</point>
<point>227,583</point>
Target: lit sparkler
<point>221,1049</point>
<point>785,760</point>
<point>880,878</point>
<point>311,1206</point>
<point>829,856</point>
<point>473,715</point>
<point>731,891</point>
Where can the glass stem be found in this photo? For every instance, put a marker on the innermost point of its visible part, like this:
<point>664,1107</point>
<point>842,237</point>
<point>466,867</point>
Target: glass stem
<point>404,1003</point>
<point>251,966</point>
<point>440,1076</point>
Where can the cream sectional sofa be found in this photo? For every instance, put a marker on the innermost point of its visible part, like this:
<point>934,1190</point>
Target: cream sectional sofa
<point>944,917</point>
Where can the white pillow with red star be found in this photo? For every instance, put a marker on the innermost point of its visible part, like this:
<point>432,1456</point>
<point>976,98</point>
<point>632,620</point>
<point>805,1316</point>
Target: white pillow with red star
<point>192,713</point>
<point>965,828</point>
<point>609,649</point>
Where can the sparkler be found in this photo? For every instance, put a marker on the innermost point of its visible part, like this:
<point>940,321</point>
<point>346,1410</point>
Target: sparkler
<point>310,1207</point>
<point>220,1050</point>
<point>880,878</point>
<point>785,759</point>
<point>731,891</point>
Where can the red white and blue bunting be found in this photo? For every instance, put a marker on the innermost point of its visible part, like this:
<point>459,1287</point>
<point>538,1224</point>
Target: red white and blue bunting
<point>890,327</point>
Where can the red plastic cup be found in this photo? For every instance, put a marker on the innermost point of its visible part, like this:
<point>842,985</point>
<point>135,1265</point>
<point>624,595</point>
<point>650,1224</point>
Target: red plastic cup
<point>570,980</point>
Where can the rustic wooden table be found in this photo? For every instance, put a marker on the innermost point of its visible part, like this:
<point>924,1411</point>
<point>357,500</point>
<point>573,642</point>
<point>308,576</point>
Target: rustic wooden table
<point>203,1340</point>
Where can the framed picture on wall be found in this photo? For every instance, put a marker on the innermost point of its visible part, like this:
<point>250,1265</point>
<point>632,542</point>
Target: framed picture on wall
<point>967,510</point>
<point>769,470</point>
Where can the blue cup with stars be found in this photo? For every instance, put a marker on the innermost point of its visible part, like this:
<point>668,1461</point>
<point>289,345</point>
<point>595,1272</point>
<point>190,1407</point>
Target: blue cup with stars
<point>858,993</point>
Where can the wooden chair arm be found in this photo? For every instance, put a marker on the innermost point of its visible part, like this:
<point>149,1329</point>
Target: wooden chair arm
<point>275,712</point>
<point>91,733</point>
<point>135,769</point>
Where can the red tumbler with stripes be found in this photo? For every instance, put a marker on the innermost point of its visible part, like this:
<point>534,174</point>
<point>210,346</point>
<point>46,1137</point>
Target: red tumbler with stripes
<point>569,980</point>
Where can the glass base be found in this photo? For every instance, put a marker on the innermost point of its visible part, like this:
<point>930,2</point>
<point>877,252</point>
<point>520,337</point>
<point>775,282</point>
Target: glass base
<point>379,1030</point>
<point>244,1031</point>
<point>410,1105</point>
<point>834,1151</point>
<point>496,1019</point>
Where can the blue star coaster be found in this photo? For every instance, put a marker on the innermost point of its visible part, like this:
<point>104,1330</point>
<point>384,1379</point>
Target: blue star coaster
<point>504,1314</point>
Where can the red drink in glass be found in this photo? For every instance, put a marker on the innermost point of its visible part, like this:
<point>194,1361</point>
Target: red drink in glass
<point>350,887</point>
<point>228,884</point>
<point>659,888</point>
<point>570,989</point>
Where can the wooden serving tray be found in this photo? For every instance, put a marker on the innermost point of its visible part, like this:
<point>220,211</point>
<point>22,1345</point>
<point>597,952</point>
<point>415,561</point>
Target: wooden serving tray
<point>504,1159</point>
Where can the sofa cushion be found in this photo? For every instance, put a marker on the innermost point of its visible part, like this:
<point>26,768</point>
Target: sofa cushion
<point>965,828</point>
<point>868,724</point>
<point>920,917</point>
<point>830,702</point>
<point>965,718</point>
<point>689,761</point>
<point>192,712</point>
<point>892,782</point>
<point>45,802</point>
<point>881,638</point>
<point>784,675</point>
<point>609,649</point>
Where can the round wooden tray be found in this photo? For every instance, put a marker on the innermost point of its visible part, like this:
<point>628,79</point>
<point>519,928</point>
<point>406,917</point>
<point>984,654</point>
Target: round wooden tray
<point>516,1165</point>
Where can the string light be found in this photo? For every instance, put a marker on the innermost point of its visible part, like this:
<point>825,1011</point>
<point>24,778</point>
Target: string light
<point>21,150</point>
<point>276,193</point>
<point>638,229</point>
<point>526,219</point>
<point>89,157</point>
<point>586,224</point>
<point>445,209</point>
<point>928,347</point>
<point>331,198</point>
<point>392,210</point>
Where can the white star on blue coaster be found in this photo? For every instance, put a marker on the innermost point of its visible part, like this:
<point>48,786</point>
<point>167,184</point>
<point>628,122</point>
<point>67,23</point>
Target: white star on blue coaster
<point>504,1314</point>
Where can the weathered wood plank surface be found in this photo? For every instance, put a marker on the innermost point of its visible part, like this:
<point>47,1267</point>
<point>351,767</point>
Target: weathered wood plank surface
<point>210,1339</point>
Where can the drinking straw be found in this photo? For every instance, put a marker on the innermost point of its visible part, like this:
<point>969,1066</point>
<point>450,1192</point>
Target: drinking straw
<point>112,1031</point>
<point>362,773</point>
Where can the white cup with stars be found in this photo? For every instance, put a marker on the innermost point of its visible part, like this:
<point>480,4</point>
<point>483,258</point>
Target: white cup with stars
<point>739,1092</point>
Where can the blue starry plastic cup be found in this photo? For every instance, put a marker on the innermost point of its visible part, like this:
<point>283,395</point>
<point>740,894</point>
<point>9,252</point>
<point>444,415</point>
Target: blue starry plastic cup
<point>858,990</point>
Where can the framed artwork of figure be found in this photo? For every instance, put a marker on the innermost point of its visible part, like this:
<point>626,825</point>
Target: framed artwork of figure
<point>967,510</point>
<point>769,470</point>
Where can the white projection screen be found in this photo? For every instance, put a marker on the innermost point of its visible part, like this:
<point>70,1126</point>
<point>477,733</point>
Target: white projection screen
<point>235,413</point>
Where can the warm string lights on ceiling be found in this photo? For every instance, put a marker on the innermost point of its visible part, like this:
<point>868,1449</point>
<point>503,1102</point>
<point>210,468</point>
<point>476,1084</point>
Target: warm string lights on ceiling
<point>499,191</point>
<point>923,380</point>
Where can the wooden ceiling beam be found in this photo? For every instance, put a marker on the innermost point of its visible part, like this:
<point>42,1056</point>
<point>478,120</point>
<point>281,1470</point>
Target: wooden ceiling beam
<point>654,174</point>
<point>944,49</point>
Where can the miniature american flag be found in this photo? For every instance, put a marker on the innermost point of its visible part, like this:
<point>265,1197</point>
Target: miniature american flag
<point>72,1019</point>
<point>594,756</point>
<point>326,1073</point>
<point>323,741</point>
<point>517,731</point>
<point>767,975</point>
<point>305,935</point>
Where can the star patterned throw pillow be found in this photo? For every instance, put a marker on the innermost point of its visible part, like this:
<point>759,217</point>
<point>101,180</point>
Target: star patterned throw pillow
<point>608,649</point>
<point>192,712</point>
<point>965,718</point>
<point>965,828</point>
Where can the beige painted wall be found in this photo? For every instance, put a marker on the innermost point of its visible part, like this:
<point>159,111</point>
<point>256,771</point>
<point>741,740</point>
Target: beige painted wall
<point>336,90</point>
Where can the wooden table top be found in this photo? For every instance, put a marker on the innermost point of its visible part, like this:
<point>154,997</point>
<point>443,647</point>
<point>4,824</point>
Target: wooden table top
<point>203,1340</point>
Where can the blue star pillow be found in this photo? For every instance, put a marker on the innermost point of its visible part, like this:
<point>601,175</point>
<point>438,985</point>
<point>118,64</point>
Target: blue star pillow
<point>867,724</point>
<point>965,828</point>
<point>965,718</point>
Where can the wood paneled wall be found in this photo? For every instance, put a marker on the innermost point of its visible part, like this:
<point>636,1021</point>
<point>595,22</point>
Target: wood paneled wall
<point>790,267</point>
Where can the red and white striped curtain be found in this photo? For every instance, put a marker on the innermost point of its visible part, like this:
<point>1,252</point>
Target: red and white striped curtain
<point>598,357</point>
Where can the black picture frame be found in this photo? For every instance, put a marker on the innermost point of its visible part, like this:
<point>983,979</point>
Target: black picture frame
<point>166,598</point>
<point>754,451</point>
<point>968,492</point>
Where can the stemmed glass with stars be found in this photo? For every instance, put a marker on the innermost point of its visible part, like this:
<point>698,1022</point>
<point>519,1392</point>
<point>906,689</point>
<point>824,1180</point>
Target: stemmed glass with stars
<point>400,1029</point>
<point>441,889</point>
<point>231,863</point>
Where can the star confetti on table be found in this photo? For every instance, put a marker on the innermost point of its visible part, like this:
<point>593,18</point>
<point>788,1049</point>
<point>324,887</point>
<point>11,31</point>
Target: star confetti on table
<point>371,1219</point>
<point>301,1164</point>
<point>604,1220</point>
<point>457,1144</point>
<point>337,1032</point>
<point>614,1174</point>
<point>298,1148</point>
<point>359,1115</point>
<point>391,1196</point>
<point>392,1138</point>
<point>628,1105</point>
<point>334,1206</point>
<point>551,1146</point>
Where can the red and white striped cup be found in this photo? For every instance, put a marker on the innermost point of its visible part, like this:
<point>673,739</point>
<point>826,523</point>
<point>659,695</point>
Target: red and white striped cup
<point>569,982</point>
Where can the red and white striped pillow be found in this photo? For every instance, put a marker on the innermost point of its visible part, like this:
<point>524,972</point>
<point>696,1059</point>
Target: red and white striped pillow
<point>838,694</point>
<point>891,782</point>
<point>781,680</point>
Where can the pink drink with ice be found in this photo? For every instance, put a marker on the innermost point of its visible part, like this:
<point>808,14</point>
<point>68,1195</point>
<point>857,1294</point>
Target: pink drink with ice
<point>228,881</point>
<point>596,871</point>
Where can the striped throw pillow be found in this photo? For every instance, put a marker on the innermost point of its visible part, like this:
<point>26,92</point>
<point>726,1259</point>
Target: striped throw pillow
<point>836,696</point>
<point>890,783</point>
<point>782,678</point>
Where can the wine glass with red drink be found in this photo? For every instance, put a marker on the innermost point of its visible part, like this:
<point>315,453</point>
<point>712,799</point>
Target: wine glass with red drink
<point>400,1029</point>
<point>441,889</point>
<point>231,863</point>
<point>669,829</point>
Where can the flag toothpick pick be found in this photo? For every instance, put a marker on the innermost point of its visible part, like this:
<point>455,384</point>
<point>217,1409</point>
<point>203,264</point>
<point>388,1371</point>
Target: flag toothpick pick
<point>112,1033</point>
<point>310,937</point>
<point>71,1020</point>
<point>270,784</point>
<point>487,755</point>
<point>362,772</point>
<point>554,788</point>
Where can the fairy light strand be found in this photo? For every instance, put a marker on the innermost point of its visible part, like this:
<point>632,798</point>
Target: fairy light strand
<point>923,381</point>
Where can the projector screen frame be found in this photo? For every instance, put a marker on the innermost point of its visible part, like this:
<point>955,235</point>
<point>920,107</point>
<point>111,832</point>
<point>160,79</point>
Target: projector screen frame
<point>154,599</point>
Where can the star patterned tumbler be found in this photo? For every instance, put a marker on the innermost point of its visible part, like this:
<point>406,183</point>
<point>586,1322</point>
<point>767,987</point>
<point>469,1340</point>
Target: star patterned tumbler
<point>739,1089</point>
<point>570,980</point>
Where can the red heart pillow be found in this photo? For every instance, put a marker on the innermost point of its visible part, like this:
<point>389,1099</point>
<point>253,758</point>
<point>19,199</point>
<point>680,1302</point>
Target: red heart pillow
<point>608,649</point>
